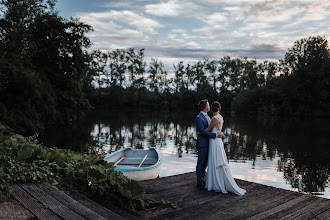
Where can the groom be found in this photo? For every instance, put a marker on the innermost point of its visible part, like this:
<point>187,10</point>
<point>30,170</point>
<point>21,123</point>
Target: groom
<point>202,122</point>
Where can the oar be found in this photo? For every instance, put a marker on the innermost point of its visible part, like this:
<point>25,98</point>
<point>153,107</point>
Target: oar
<point>143,160</point>
<point>122,158</point>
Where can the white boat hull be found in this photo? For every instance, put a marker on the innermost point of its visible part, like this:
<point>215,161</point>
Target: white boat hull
<point>142,174</point>
<point>129,165</point>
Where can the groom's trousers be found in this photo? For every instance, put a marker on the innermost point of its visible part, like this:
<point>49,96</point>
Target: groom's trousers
<point>201,164</point>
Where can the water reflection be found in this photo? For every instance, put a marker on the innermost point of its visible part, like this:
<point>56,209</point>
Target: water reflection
<point>289,154</point>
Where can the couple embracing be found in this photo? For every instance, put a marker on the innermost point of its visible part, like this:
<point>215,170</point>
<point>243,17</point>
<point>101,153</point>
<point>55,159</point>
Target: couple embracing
<point>211,152</point>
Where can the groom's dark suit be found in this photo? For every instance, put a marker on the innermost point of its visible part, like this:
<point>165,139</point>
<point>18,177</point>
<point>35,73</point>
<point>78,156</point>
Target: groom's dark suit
<point>203,147</point>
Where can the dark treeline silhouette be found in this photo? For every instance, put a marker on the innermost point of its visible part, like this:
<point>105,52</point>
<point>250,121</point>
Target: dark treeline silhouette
<point>297,85</point>
<point>47,76</point>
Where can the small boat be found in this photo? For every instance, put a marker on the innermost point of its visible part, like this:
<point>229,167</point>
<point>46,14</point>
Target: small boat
<point>136,164</point>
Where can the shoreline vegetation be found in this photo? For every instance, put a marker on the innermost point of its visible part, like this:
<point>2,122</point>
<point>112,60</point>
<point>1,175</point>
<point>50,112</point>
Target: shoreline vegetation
<point>48,77</point>
<point>23,159</point>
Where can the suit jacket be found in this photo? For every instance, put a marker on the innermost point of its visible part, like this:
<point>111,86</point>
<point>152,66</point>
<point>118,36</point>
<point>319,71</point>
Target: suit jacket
<point>201,125</point>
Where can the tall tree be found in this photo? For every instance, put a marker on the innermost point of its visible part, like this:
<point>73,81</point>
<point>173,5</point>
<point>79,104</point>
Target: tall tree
<point>308,65</point>
<point>157,76</point>
<point>118,67</point>
<point>44,64</point>
<point>136,67</point>
<point>211,68</point>
<point>98,64</point>
<point>179,79</point>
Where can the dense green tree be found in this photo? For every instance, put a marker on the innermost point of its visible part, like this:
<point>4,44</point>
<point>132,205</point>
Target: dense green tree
<point>43,64</point>
<point>307,64</point>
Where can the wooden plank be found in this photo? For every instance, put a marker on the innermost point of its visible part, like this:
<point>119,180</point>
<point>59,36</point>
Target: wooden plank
<point>191,194</point>
<point>309,210</point>
<point>313,214</point>
<point>50,202</point>
<point>324,215</point>
<point>165,183</point>
<point>293,209</point>
<point>208,203</point>
<point>279,208</point>
<point>241,205</point>
<point>260,201</point>
<point>261,205</point>
<point>115,213</point>
<point>194,198</point>
<point>70,202</point>
<point>38,209</point>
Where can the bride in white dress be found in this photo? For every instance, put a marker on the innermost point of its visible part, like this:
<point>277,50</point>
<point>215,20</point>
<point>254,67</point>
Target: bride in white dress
<point>219,177</point>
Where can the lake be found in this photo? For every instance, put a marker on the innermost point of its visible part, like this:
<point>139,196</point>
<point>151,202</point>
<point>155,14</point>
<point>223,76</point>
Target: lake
<point>292,154</point>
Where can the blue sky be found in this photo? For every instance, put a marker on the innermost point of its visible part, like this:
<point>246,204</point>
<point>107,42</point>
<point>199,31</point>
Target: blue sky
<point>180,30</point>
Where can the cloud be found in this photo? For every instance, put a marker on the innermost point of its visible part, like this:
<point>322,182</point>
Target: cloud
<point>125,17</point>
<point>119,29</point>
<point>190,30</point>
<point>171,8</point>
<point>214,22</point>
<point>216,19</point>
<point>115,4</point>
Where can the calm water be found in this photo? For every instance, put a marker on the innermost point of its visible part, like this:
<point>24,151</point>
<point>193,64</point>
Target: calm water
<point>285,153</point>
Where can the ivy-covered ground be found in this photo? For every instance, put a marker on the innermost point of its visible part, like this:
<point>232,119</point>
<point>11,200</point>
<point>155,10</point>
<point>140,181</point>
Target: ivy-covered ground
<point>23,159</point>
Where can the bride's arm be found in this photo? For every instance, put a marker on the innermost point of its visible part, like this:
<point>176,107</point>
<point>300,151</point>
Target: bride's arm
<point>213,123</point>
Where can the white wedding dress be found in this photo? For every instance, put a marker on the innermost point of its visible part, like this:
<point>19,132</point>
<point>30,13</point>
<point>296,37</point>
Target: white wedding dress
<point>218,176</point>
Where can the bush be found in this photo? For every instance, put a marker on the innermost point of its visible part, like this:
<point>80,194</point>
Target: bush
<point>25,160</point>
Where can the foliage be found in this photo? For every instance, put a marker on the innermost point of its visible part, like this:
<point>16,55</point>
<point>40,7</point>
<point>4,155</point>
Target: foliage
<point>25,160</point>
<point>43,66</point>
<point>175,204</point>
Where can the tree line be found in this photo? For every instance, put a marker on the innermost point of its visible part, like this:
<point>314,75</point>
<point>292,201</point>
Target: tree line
<point>297,85</point>
<point>48,76</point>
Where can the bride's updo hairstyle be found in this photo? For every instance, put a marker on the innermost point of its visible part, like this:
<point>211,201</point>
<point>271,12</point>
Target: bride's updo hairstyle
<point>215,106</point>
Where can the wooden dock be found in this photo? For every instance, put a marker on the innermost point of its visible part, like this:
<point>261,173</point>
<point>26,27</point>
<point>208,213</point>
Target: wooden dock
<point>177,198</point>
<point>260,201</point>
<point>46,202</point>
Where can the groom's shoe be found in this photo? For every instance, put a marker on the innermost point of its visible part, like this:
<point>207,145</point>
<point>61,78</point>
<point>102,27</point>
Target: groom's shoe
<point>201,186</point>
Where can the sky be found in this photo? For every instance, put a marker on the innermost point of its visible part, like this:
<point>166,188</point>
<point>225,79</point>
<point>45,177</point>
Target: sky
<point>180,30</point>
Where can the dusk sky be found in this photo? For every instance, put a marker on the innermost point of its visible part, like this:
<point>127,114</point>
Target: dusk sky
<point>180,30</point>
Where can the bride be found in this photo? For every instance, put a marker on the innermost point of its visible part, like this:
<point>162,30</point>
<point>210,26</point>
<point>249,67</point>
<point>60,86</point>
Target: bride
<point>219,177</point>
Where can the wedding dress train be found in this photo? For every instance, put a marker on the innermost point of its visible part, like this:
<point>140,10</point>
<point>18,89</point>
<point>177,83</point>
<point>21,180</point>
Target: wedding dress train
<point>219,177</point>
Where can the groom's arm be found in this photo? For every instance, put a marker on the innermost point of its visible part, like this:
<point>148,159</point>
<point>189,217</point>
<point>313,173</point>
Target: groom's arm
<point>201,129</point>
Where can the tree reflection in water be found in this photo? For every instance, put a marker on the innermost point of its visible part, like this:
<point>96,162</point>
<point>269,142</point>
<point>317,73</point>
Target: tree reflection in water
<point>302,145</point>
